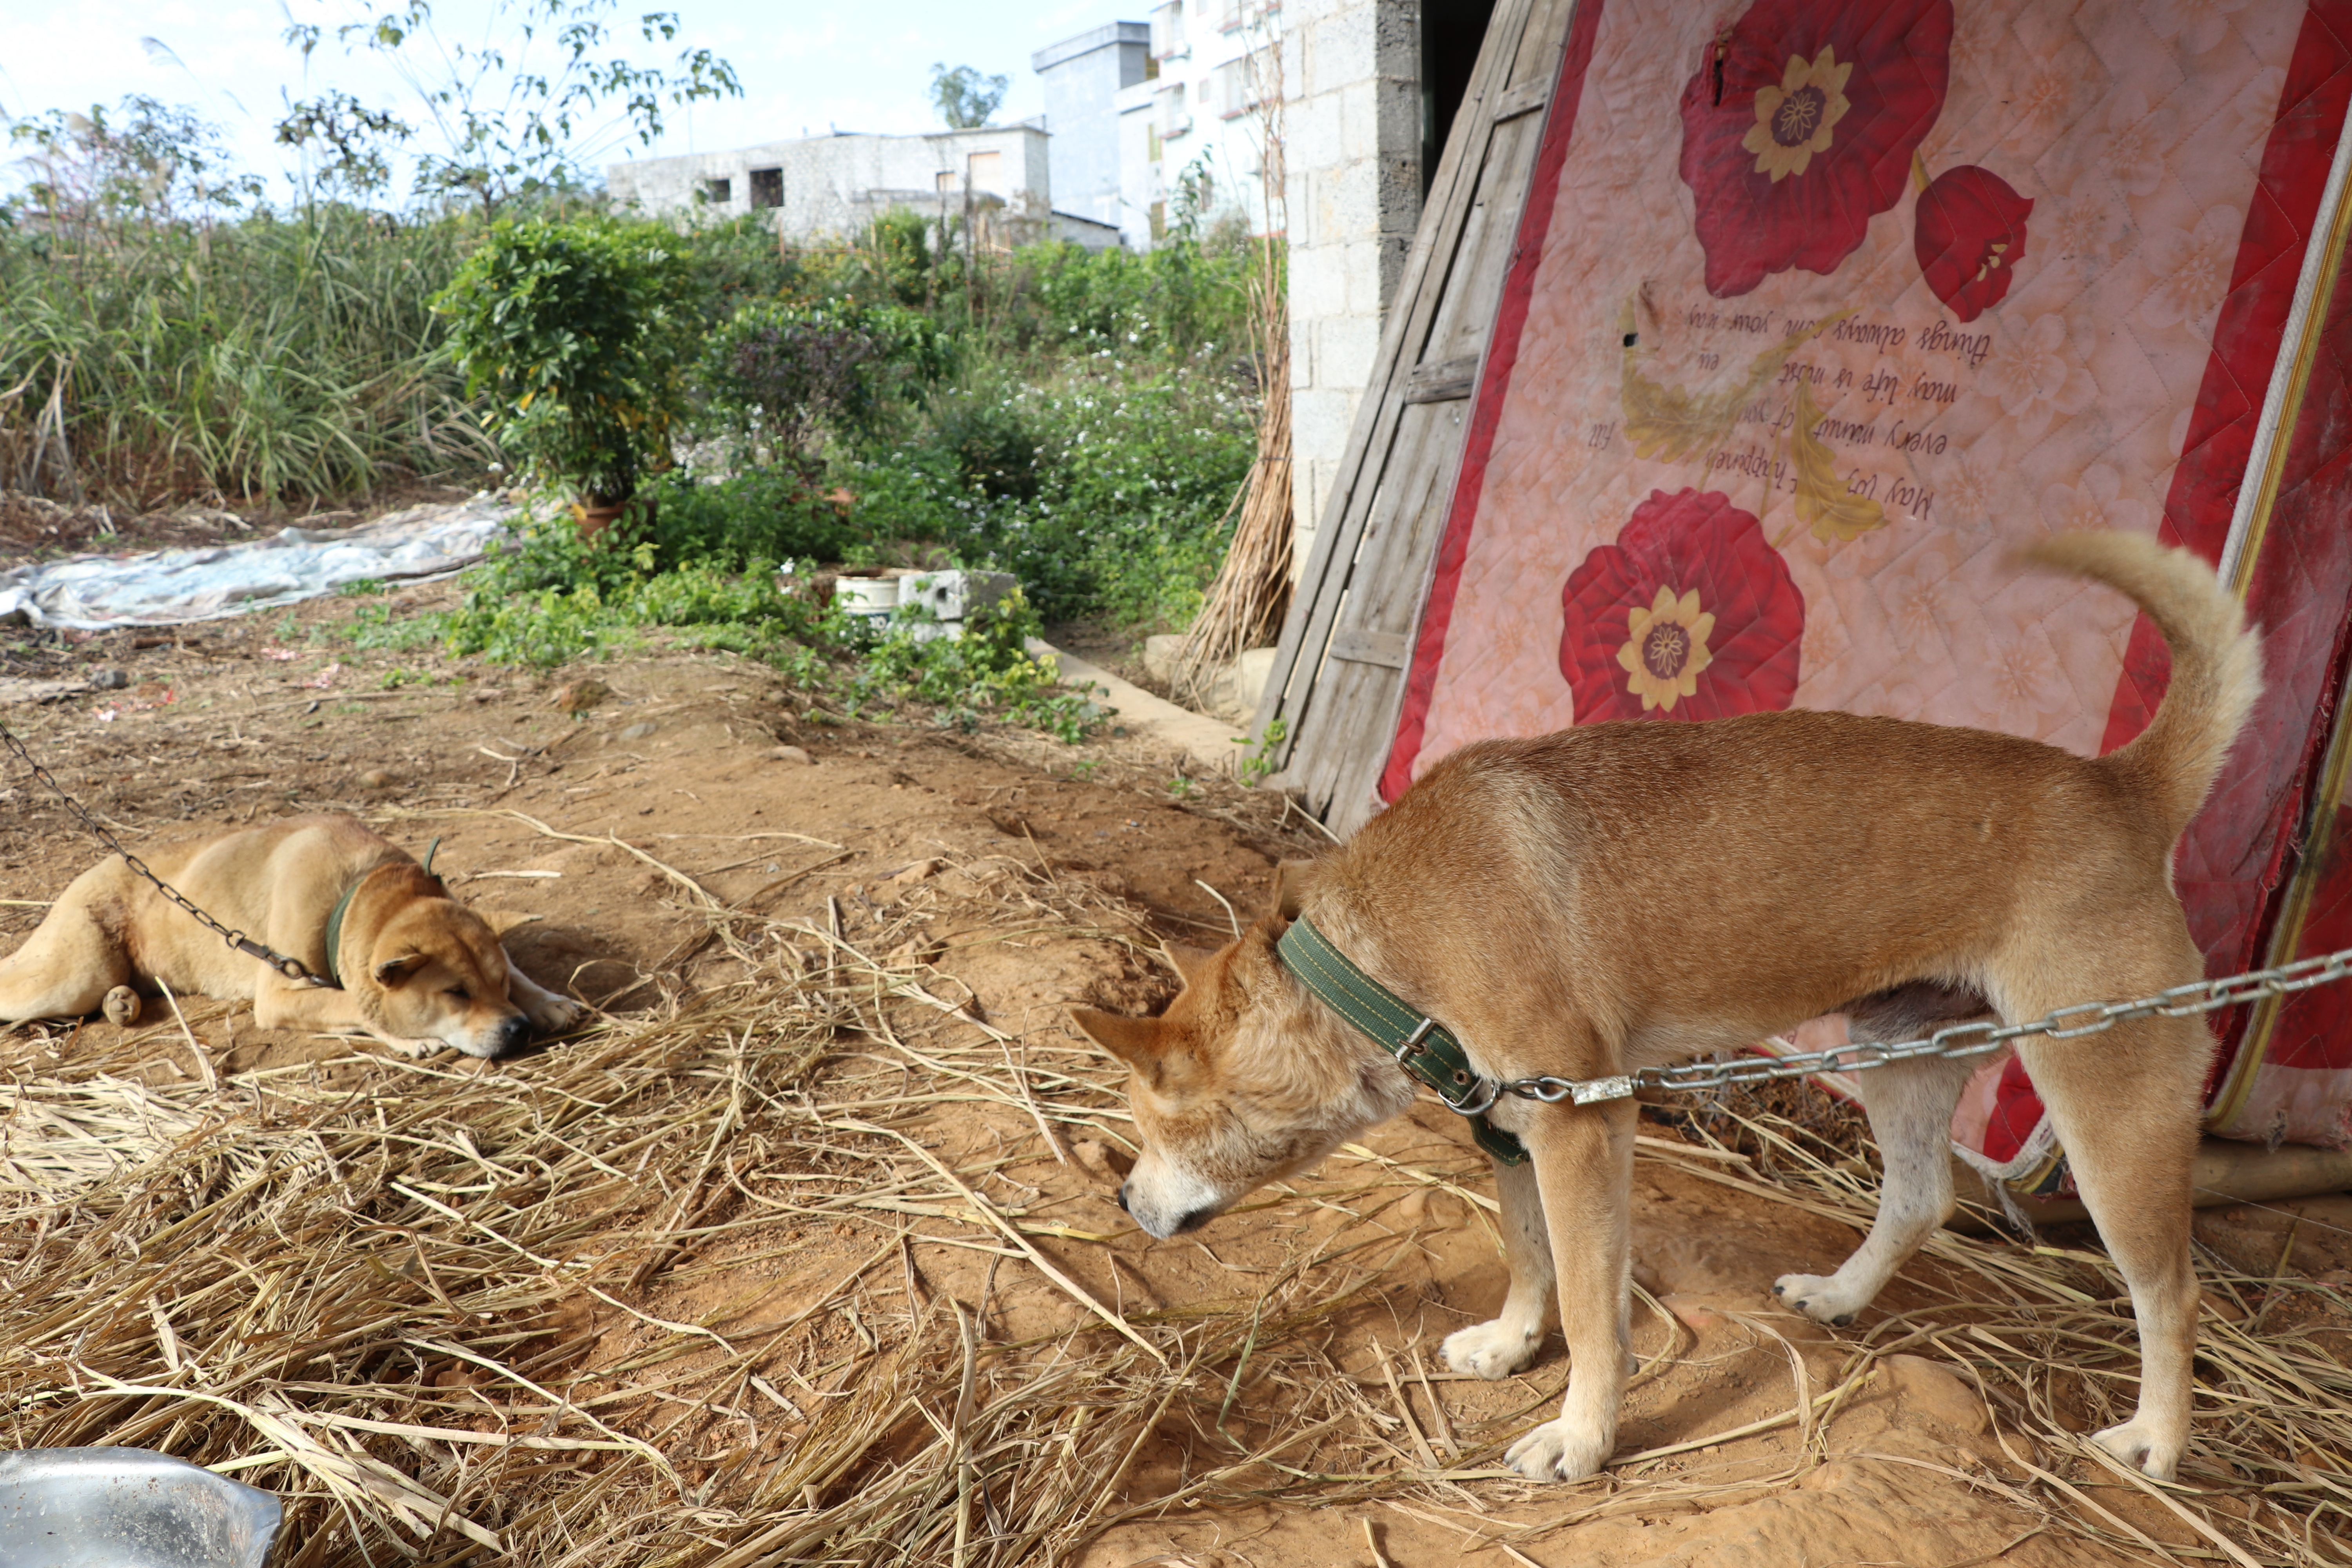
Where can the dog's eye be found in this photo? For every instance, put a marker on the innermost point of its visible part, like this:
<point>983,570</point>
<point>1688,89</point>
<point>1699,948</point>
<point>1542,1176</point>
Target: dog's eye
<point>459,993</point>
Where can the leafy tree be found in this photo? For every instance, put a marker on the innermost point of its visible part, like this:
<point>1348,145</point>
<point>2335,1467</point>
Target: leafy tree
<point>578,331</point>
<point>966,98</point>
<point>348,142</point>
<point>151,160</point>
<point>523,112</point>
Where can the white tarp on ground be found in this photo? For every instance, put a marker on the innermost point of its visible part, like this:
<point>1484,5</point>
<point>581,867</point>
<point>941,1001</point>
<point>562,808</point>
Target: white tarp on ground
<point>167,587</point>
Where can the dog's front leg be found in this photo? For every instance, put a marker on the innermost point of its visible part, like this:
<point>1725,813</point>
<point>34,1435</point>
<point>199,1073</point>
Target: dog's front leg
<point>279,1003</point>
<point>1584,1167</point>
<point>1497,1349</point>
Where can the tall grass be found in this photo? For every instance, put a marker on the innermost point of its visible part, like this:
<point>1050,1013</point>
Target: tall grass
<point>268,358</point>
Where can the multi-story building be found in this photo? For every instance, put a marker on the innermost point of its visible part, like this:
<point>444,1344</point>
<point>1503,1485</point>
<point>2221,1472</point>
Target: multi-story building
<point>1203,113</point>
<point>1082,77</point>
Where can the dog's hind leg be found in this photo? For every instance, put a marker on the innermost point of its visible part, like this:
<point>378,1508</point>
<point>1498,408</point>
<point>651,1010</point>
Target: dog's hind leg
<point>1910,1106</point>
<point>2126,1104</point>
<point>69,963</point>
<point>1499,1348</point>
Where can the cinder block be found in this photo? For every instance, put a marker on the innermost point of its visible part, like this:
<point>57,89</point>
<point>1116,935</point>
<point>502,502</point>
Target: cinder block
<point>1320,284</point>
<point>1314,136</point>
<point>1347,47</point>
<point>1344,349</point>
<point>1397,112</point>
<point>1319,421</point>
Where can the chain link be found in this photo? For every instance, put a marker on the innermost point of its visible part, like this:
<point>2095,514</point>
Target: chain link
<point>1958,1040</point>
<point>293,968</point>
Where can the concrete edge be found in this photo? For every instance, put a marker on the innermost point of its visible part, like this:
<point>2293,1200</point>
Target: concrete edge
<point>1206,742</point>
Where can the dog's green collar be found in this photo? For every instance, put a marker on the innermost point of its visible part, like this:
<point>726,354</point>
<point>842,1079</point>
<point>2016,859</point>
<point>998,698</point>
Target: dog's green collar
<point>1421,1045</point>
<point>343,907</point>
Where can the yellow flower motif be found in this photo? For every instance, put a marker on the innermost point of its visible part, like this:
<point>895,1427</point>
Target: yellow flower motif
<point>1794,121</point>
<point>1666,649</point>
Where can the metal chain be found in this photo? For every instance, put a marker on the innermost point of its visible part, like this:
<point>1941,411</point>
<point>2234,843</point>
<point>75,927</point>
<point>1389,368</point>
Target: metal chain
<point>1958,1040</point>
<point>293,968</point>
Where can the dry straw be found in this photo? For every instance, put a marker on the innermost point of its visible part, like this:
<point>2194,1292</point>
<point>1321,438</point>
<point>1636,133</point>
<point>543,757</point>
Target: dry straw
<point>421,1301</point>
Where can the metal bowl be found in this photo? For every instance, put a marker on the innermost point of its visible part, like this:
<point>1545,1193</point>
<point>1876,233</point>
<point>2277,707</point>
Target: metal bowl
<point>127,1507</point>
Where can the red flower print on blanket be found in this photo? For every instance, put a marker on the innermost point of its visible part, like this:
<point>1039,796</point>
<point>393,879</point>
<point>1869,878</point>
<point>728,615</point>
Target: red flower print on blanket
<point>1969,235</point>
<point>1690,615</point>
<point>1799,128</point>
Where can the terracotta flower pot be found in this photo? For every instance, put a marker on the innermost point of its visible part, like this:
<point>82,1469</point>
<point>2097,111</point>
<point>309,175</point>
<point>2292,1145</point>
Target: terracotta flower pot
<point>593,518</point>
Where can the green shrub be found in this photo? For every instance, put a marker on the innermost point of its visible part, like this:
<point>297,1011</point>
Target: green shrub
<point>577,331</point>
<point>757,518</point>
<point>782,373</point>
<point>1107,495</point>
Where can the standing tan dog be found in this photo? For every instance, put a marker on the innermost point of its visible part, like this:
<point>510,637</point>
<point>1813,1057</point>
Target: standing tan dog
<point>1629,894</point>
<point>417,969</point>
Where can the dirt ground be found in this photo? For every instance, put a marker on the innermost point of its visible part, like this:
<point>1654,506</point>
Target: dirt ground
<point>559,802</point>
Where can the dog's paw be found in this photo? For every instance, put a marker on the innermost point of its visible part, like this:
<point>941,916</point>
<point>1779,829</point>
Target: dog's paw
<point>1559,1451</point>
<point>1822,1300</point>
<point>2137,1443</point>
<point>122,1007</point>
<point>414,1050</point>
<point>554,1015</point>
<point>1490,1351</point>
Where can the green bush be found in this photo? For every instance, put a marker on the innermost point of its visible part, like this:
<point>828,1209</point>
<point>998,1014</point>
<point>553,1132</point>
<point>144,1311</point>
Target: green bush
<point>555,600</point>
<point>782,373</point>
<point>578,333</point>
<point>1107,495</point>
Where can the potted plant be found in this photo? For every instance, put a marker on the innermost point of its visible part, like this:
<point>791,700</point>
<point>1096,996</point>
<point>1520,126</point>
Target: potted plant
<point>575,330</point>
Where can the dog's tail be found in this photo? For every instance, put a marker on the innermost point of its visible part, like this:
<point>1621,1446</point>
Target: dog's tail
<point>2217,662</point>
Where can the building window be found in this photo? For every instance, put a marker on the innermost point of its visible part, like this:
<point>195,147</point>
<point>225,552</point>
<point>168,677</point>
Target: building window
<point>947,182</point>
<point>1175,117</point>
<point>1158,220</point>
<point>717,193</point>
<point>766,187</point>
<point>1241,83</point>
<point>987,172</point>
<point>1167,30</point>
<point>1151,145</point>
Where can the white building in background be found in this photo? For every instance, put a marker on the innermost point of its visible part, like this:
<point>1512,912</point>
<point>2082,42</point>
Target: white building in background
<point>831,186</point>
<point>1082,77</point>
<point>1214,65</point>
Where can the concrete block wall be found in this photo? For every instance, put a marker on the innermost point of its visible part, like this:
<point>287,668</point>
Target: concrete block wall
<point>1352,140</point>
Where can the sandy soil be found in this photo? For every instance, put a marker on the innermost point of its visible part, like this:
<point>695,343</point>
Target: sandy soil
<point>703,763</point>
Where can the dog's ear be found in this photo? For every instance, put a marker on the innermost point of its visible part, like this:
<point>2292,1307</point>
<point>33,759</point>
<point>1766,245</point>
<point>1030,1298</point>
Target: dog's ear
<point>1138,1042</point>
<point>1191,962</point>
<point>393,970</point>
<point>1293,880</point>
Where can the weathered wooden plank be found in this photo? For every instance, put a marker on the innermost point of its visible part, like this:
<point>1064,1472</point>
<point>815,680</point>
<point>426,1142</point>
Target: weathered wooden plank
<point>1315,598</point>
<point>1361,647</point>
<point>1348,728</point>
<point>1444,381</point>
<point>1524,99</point>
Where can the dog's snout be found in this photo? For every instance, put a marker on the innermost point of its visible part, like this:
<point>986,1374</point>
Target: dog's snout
<point>1122,1197</point>
<point>505,1035</point>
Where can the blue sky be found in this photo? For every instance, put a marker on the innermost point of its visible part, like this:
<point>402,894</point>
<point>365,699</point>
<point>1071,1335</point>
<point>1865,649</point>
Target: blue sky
<point>803,65</point>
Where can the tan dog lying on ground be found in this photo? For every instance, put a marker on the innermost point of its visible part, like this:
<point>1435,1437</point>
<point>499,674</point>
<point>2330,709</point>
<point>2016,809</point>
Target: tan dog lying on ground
<point>1625,894</point>
<point>417,969</point>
